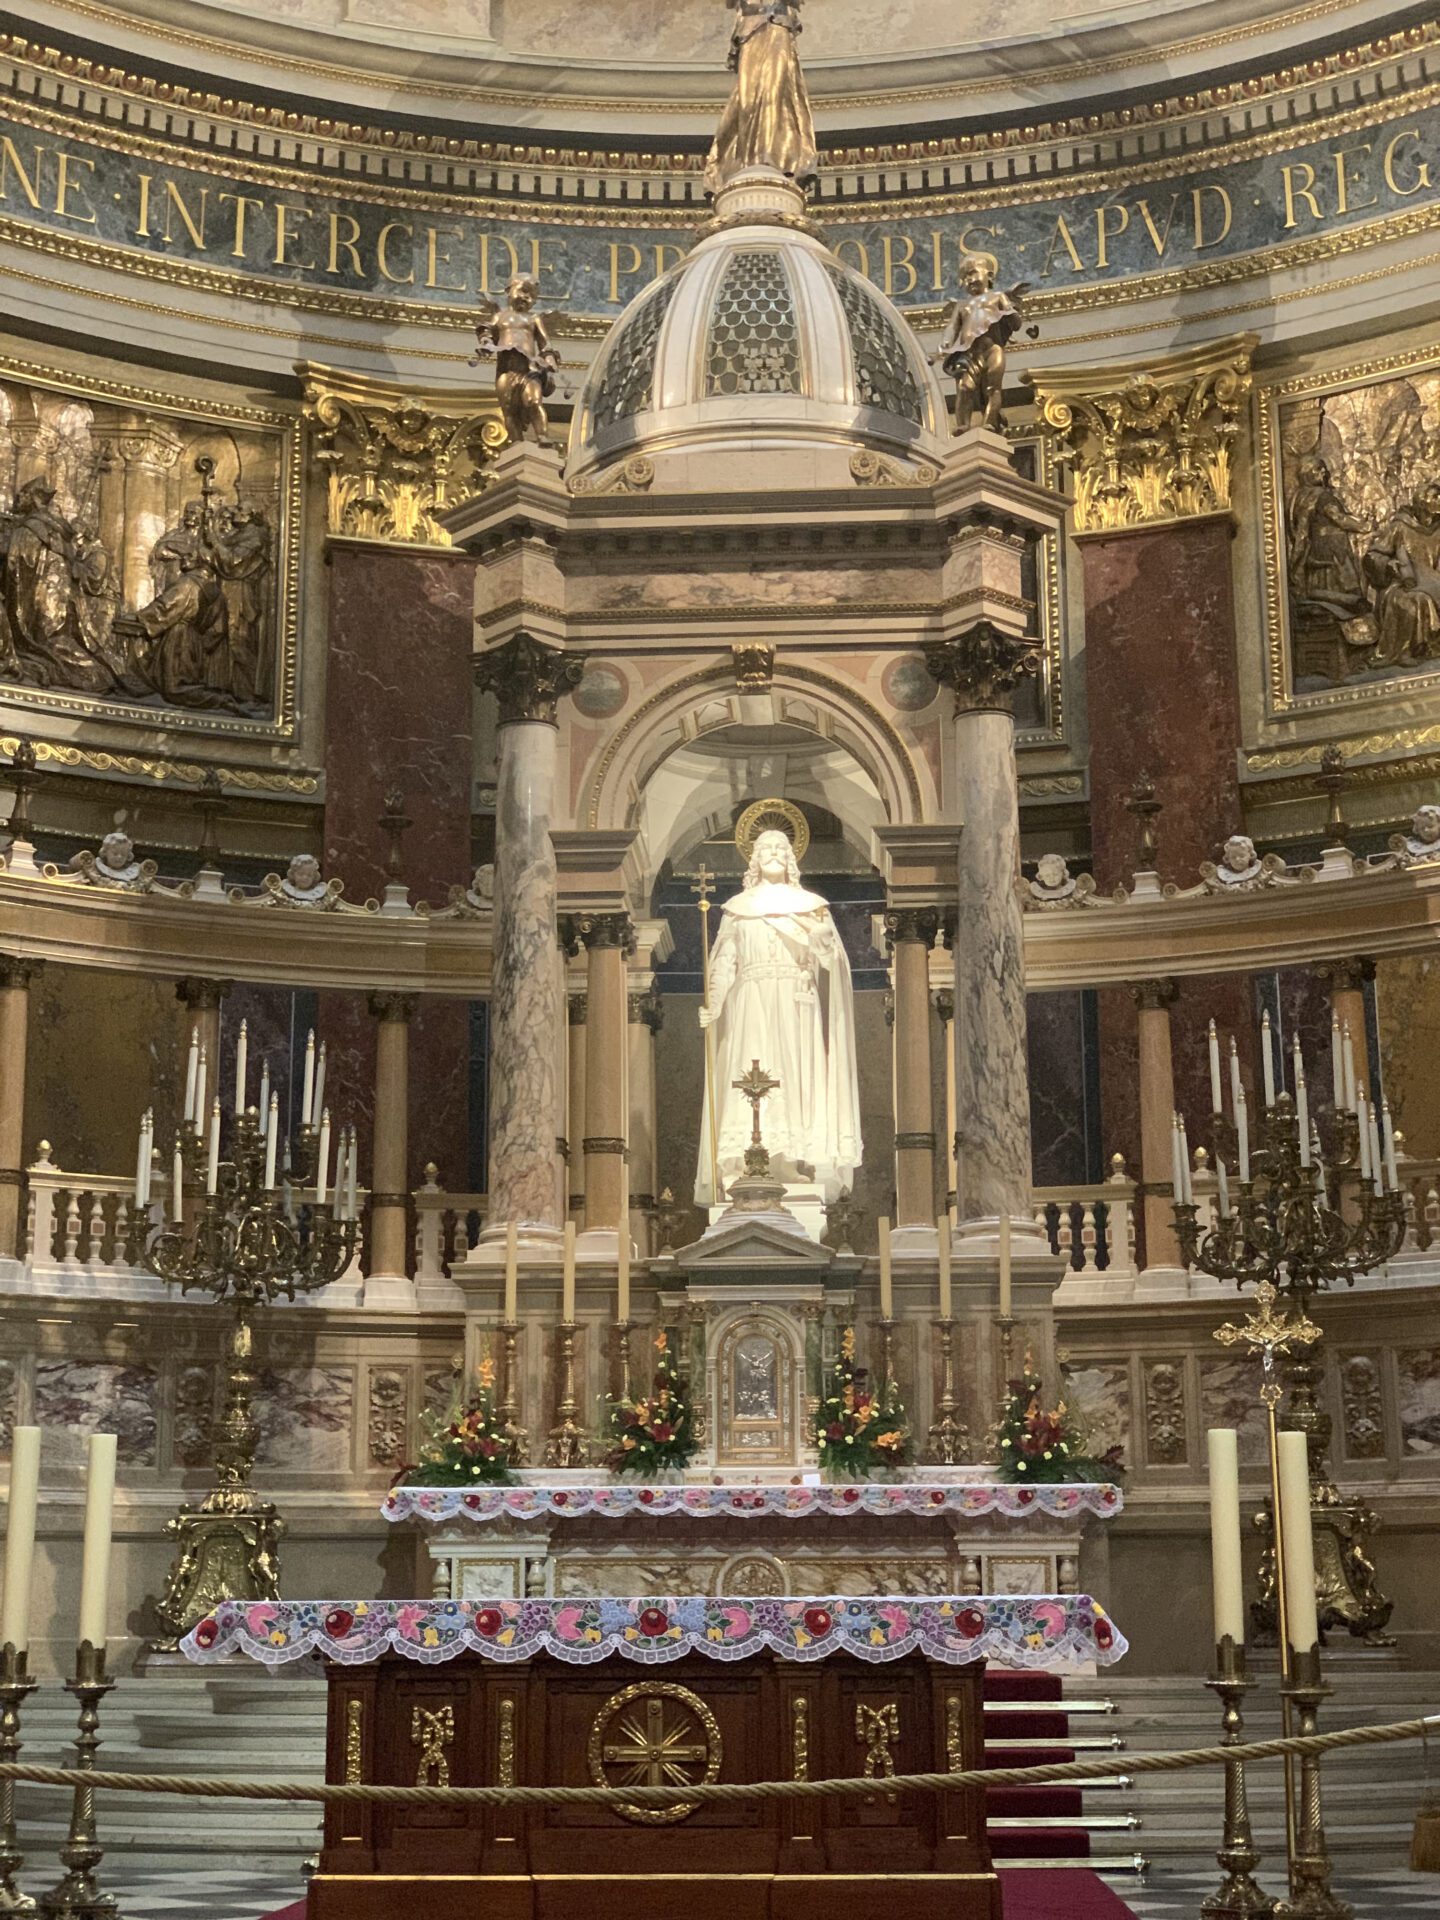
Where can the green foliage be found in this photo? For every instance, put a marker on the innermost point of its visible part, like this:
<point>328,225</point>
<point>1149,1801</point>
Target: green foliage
<point>465,1446</point>
<point>1034,1445</point>
<point>859,1431</point>
<point>655,1433</point>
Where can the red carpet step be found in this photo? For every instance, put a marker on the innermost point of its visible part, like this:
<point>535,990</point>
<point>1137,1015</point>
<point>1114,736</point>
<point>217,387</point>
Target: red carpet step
<point>1061,1893</point>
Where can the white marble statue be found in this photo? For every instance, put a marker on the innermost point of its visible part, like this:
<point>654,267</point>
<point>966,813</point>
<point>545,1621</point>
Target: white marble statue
<point>776,944</point>
<point>115,865</point>
<point>1422,842</point>
<point>1054,886</point>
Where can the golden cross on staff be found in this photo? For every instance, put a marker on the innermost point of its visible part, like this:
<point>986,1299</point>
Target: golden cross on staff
<point>703,887</point>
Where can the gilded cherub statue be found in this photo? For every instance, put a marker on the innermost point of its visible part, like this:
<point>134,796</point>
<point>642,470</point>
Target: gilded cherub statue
<point>514,337</point>
<point>978,328</point>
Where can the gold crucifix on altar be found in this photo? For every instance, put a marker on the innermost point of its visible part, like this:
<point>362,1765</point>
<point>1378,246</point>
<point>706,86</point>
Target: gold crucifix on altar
<point>755,1086</point>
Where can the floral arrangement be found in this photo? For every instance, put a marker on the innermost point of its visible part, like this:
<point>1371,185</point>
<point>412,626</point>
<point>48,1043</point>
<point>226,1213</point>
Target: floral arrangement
<point>1036,1445</point>
<point>466,1445</point>
<point>859,1431</point>
<point>656,1433</point>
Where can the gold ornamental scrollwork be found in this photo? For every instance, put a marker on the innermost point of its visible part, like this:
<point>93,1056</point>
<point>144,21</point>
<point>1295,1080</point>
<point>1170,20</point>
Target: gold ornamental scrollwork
<point>654,1734</point>
<point>395,459</point>
<point>1154,445</point>
<point>432,1729</point>
<point>354,1742</point>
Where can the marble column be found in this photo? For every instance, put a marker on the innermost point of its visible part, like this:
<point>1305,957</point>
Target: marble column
<point>1153,1001</point>
<point>387,1283</point>
<point>910,933</point>
<point>1345,980</point>
<point>575,1123</point>
<point>15,977</point>
<point>646,1018</point>
<point>992,1088</point>
<point>525,1107</point>
<point>608,940</point>
<point>200,1013</point>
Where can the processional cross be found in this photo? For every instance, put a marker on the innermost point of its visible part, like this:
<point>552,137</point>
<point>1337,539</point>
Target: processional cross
<point>755,1086</point>
<point>1269,1333</point>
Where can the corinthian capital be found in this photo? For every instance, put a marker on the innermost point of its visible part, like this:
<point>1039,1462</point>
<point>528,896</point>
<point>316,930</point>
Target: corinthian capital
<point>527,679</point>
<point>1151,443</point>
<point>983,666</point>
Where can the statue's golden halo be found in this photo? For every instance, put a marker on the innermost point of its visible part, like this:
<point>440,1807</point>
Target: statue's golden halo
<point>781,815</point>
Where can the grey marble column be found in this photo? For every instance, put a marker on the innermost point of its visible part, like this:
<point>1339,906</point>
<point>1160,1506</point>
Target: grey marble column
<point>992,1080</point>
<point>525,1005</point>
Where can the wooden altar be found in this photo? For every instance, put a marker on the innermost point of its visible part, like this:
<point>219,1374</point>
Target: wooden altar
<point>473,1721</point>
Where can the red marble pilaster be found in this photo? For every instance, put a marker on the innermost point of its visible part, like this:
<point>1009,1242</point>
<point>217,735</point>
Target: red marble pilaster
<point>1162,696</point>
<point>397,715</point>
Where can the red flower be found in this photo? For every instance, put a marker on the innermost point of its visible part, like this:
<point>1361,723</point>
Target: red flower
<point>1104,1633</point>
<point>1108,1496</point>
<point>818,1621</point>
<point>834,1431</point>
<point>647,1497</point>
<point>560,1499</point>
<point>971,1623</point>
<point>488,1621</point>
<point>653,1621</point>
<point>662,1431</point>
<point>208,1632</point>
<point>490,1448</point>
<point>1024,1497</point>
<point>338,1622</point>
<point>937,1498</point>
<point>471,1502</point>
<point>851,1494</point>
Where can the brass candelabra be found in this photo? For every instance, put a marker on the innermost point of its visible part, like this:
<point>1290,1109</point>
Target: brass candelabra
<point>566,1445</point>
<point>1311,1897</point>
<point>518,1437</point>
<point>620,1332</point>
<point>949,1436</point>
<point>1300,1224</point>
<point>1238,1897</point>
<point>236,1232</point>
<point>16,1686</point>
<point>78,1894</point>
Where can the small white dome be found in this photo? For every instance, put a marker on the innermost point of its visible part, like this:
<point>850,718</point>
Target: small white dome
<point>759,341</point>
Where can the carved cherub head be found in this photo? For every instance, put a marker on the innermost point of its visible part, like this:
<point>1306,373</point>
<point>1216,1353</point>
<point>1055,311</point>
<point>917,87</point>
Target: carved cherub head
<point>303,873</point>
<point>1051,871</point>
<point>1239,855</point>
<point>522,290</point>
<point>117,851</point>
<point>977,272</point>
<point>1425,825</point>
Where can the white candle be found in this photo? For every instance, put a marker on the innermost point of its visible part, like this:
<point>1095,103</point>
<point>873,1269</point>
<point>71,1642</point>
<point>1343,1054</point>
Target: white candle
<point>1267,1062</point>
<point>1187,1187</point>
<point>307,1097</point>
<point>512,1273</point>
<point>264,1086</point>
<point>942,1244</point>
<point>1223,1448</point>
<point>142,1161</point>
<point>20,1513</point>
<point>352,1209</point>
<point>242,1061</point>
<point>272,1140</point>
<point>322,1160</point>
<point>1215,1102</point>
<point>192,1064</point>
<point>1005,1301</point>
<point>319,1101</point>
<point>1337,1068</point>
<point>622,1249</point>
<point>1302,1110</point>
<point>202,1074</point>
<point>147,1155</point>
<point>1392,1172</point>
<point>1347,1057</point>
<point>95,1553</point>
<point>1242,1132</point>
<point>177,1188</point>
<point>1301,1621</point>
<point>887,1284</point>
<point>1222,1183</point>
<point>1177,1170</point>
<point>1364,1130</point>
<point>1237,1092</point>
<point>567,1275</point>
<point>1377,1165</point>
<point>212,1164</point>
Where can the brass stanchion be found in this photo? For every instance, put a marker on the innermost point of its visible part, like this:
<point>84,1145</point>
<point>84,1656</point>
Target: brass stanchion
<point>1310,1894</point>
<point>78,1896</point>
<point>15,1687</point>
<point>1237,1897</point>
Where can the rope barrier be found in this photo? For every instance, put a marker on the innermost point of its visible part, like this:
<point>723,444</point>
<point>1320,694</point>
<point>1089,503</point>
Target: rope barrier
<point>208,1789</point>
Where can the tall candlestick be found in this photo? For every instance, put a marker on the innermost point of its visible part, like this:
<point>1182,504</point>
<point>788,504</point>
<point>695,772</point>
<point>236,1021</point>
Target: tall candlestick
<point>20,1516</point>
<point>887,1284</point>
<point>1377,1165</point>
<point>1392,1171</point>
<point>264,1085</point>
<point>307,1096</point>
<point>1347,1062</point>
<point>202,1074</point>
<point>322,1160</point>
<point>1237,1091</point>
<point>142,1163</point>
<point>352,1209</point>
<point>512,1273</point>
<point>1302,1110</point>
<point>272,1140</point>
<point>942,1245</point>
<point>212,1163</point>
<point>1364,1132</point>
<point>95,1552</point>
<point>1215,1101</point>
<point>192,1065</point>
<point>1223,1448</point>
<point>147,1152</point>
<point>177,1188</point>
<point>1337,1067</point>
<point>1294,1521</point>
<point>242,1061</point>
<point>1267,1060</point>
<point>319,1101</point>
<point>1005,1301</point>
<point>1188,1196</point>
<point>1242,1131</point>
<point>622,1249</point>
<point>1177,1166</point>
<point>567,1275</point>
<point>1222,1189</point>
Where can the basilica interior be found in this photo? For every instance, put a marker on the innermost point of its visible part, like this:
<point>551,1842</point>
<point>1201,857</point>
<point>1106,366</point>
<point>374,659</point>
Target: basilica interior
<point>720,725</point>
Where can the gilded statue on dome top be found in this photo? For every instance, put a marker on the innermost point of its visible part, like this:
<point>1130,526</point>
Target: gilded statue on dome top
<point>978,329</point>
<point>515,338</point>
<point>767,121</point>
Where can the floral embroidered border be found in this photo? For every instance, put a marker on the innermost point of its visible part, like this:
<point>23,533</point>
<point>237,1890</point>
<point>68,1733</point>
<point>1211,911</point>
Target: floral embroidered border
<point>435,1505</point>
<point>1034,1631</point>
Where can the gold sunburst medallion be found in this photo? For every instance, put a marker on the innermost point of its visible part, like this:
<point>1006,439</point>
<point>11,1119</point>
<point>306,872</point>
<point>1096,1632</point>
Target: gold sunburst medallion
<point>761,816</point>
<point>654,1734</point>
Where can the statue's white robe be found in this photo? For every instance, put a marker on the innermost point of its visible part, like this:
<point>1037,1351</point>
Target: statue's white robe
<point>776,947</point>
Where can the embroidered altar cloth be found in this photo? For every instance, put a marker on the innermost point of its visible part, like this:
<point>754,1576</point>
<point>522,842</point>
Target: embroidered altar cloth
<point>438,1505</point>
<point>1034,1631</point>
